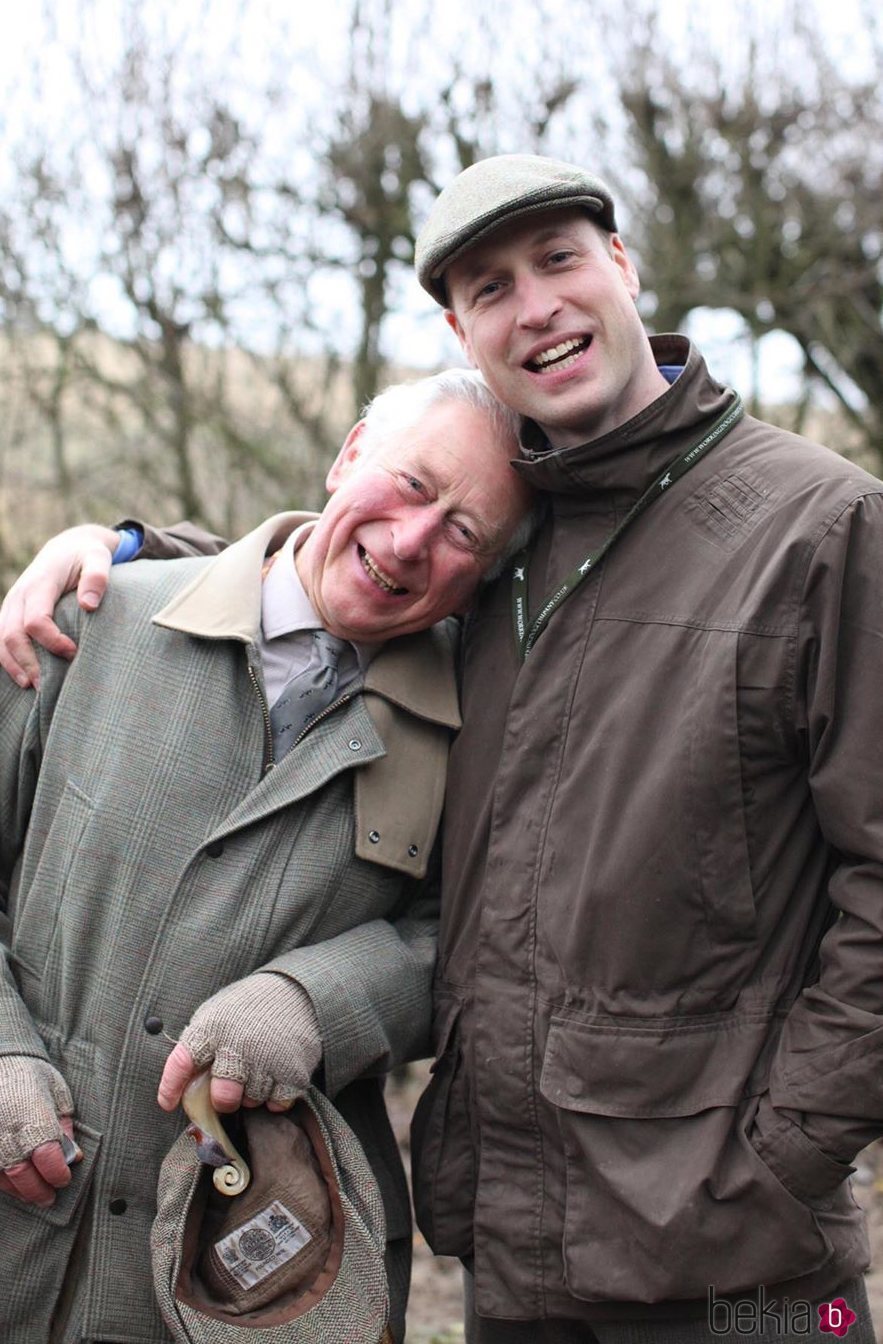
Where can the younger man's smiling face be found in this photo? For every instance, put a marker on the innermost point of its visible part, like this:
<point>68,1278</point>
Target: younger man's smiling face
<point>545,307</point>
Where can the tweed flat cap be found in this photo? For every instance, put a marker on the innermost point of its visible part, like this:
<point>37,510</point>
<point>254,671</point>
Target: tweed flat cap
<point>492,192</point>
<point>297,1258</point>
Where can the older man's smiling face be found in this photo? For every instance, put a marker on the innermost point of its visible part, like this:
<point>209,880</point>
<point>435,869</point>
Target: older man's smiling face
<point>412,524</point>
<point>545,307</point>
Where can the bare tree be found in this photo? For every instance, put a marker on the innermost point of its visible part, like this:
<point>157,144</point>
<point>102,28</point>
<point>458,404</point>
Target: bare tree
<point>200,265</point>
<point>759,192</point>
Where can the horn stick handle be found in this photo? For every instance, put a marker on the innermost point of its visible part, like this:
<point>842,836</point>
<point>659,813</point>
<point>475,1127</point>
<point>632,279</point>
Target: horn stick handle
<point>231,1175</point>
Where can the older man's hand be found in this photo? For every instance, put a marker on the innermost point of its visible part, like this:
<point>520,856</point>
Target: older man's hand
<point>261,1037</point>
<point>35,1113</point>
<point>77,558</point>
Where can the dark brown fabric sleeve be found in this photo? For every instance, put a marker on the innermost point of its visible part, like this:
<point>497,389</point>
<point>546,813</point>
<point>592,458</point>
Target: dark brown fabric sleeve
<point>171,543</point>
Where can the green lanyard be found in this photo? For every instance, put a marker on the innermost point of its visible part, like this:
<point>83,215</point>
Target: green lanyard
<point>526,635</point>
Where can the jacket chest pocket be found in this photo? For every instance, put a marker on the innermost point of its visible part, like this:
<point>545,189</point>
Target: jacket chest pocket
<point>646,878</point>
<point>50,879</point>
<point>665,1195</point>
<point>715,801</point>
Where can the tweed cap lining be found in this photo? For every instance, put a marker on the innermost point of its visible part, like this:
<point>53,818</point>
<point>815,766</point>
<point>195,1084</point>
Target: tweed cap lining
<point>348,1295</point>
<point>289,1305</point>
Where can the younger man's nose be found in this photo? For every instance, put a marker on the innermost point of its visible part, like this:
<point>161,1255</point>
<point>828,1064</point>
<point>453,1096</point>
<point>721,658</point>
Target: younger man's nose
<point>537,303</point>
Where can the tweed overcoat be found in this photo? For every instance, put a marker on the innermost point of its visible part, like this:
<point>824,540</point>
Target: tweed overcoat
<point>150,853</point>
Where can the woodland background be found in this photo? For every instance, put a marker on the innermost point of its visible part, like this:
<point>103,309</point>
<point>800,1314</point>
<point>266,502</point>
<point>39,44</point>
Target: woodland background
<point>208,209</point>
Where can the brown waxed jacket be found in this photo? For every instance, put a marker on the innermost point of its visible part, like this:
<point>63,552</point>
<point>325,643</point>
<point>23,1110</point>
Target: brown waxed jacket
<point>659,1004</point>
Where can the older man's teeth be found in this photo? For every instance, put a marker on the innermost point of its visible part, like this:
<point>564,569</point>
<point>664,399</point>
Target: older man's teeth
<point>382,580</point>
<point>560,355</point>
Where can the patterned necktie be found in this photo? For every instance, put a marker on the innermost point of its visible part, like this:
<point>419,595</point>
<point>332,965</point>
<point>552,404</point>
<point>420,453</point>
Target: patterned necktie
<point>307,693</point>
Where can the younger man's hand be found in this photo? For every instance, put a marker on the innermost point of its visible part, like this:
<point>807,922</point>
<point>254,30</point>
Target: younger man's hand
<point>77,558</point>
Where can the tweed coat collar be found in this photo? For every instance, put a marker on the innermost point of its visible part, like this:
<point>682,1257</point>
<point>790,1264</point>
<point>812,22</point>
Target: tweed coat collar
<point>403,719</point>
<point>415,672</point>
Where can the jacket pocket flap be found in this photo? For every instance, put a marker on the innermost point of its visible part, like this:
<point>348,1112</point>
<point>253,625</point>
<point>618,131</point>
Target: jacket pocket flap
<point>68,1200</point>
<point>650,1071</point>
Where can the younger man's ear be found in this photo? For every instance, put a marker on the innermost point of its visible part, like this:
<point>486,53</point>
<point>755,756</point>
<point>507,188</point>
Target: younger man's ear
<point>346,458</point>
<point>451,319</point>
<point>626,266</point>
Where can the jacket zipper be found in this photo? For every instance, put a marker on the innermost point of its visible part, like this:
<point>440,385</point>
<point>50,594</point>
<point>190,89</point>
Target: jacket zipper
<point>269,759</point>
<point>329,709</point>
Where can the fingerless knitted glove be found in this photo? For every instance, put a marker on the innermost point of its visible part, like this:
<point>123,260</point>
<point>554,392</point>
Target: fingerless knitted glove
<point>262,1032</point>
<point>33,1095</point>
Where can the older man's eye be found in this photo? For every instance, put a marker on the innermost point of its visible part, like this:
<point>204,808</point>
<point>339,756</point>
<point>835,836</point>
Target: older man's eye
<point>463,535</point>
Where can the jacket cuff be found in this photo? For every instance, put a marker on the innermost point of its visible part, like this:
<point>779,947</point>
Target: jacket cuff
<point>172,543</point>
<point>805,1171</point>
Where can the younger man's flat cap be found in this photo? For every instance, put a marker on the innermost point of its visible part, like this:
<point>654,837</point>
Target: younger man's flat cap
<point>492,192</point>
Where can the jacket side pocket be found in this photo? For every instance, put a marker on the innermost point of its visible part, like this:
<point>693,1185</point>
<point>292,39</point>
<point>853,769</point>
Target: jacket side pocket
<point>442,1157</point>
<point>652,1120</point>
<point>35,1246</point>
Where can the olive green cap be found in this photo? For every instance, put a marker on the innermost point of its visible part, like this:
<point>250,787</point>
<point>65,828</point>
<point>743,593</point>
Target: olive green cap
<point>494,191</point>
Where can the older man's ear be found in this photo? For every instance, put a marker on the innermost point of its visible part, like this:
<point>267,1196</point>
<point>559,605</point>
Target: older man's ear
<point>346,458</point>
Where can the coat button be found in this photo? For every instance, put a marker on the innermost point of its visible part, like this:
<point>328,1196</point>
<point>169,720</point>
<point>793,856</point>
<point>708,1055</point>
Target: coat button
<point>374,837</point>
<point>117,1206</point>
<point>215,849</point>
<point>153,1025</point>
<point>413,851</point>
<point>354,744</point>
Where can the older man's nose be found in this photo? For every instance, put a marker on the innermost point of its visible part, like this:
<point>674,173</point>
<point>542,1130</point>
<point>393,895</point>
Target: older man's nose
<point>412,535</point>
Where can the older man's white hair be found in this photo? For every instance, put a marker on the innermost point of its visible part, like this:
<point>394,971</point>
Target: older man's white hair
<point>403,404</point>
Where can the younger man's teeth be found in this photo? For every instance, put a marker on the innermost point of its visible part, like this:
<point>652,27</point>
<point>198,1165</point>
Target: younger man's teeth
<point>558,352</point>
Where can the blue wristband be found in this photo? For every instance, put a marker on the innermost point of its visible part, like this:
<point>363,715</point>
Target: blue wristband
<point>131,541</point>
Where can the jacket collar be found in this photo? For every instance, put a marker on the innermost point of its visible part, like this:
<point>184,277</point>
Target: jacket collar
<point>223,601</point>
<point>629,457</point>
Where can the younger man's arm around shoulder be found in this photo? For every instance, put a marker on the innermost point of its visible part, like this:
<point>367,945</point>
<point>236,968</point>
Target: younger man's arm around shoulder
<point>80,558</point>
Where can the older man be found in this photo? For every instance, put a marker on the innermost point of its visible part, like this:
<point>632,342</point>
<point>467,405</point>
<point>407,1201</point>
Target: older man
<point>659,1008</point>
<point>181,856</point>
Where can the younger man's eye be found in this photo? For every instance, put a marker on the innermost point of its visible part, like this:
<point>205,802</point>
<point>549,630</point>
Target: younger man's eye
<point>488,290</point>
